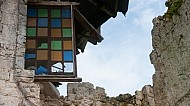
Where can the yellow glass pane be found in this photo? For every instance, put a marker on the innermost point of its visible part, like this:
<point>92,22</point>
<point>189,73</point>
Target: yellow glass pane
<point>30,44</point>
<point>66,22</point>
<point>56,32</point>
<point>42,54</point>
<point>31,22</point>
<point>42,31</point>
<point>56,55</point>
<point>67,45</point>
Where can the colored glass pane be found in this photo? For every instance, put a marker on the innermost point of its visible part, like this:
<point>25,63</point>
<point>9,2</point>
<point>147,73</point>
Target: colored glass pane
<point>43,46</point>
<point>31,32</point>
<point>29,56</point>
<point>56,32</point>
<point>31,12</point>
<point>31,22</point>
<point>56,45</point>
<point>42,54</point>
<point>56,55</point>
<point>57,67</point>
<point>30,43</point>
<point>42,13</point>
<point>55,22</point>
<point>55,13</point>
<point>68,67</point>
<point>66,13</point>
<point>66,22</point>
<point>42,31</point>
<point>68,55</point>
<point>67,45</point>
<point>67,32</point>
<point>42,22</point>
<point>41,70</point>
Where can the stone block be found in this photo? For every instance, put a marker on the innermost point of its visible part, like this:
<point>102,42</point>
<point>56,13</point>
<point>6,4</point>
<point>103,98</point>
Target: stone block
<point>30,90</point>
<point>10,101</point>
<point>9,19</point>
<point>19,64</point>
<point>23,9</point>
<point>5,74</point>
<point>22,20</point>
<point>9,33</point>
<point>20,51</point>
<point>11,8</point>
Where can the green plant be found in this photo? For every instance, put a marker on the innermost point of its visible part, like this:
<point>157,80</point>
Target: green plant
<point>173,7</point>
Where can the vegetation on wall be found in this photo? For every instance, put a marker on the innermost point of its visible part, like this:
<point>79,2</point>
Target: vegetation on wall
<point>173,6</point>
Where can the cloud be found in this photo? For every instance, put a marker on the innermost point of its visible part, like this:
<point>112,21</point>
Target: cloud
<point>144,19</point>
<point>120,63</point>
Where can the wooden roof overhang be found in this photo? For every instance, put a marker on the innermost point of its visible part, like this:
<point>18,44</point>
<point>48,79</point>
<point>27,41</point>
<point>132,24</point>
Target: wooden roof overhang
<point>89,16</point>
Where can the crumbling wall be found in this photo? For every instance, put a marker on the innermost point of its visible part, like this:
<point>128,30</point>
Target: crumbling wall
<point>17,86</point>
<point>171,57</point>
<point>84,94</point>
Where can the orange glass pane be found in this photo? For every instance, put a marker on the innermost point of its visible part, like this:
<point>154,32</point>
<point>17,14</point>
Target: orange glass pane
<point>56,55</point>
<point>66,22</point>
<point>67,45</point>
<point>42,54</point>
<point>30,44</point>
<point>56,32</point>
<point>31,22</point>
<point>42,31</point>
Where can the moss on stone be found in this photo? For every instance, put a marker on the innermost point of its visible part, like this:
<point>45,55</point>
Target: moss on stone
<point>173,7</point>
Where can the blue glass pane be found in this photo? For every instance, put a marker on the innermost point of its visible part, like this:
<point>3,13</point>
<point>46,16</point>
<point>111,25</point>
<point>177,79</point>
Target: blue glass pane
<point>66,13</point>
<point>56,23</point>
<point>29,56</point>
<point>42,22</point>
<point>41,70</point>
<point>68,55</point>
<point>32,12</point>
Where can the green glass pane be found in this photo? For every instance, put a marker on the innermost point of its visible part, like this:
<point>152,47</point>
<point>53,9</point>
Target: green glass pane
<point>31,32</point>
<point>56,45</point>
<point>43,46</point>
<point>55,13</point>
<point>42,13</point>
<point>67,32</point>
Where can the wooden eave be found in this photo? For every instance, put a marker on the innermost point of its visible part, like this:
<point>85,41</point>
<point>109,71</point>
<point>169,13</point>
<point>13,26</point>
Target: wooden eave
<point>94,34</point>
<point>104,8</point>
<point>54,3</point>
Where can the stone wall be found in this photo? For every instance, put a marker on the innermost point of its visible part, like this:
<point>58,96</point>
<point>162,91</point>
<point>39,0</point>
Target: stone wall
<point>17,86</point>
<point>171,57</point>
<point>84,94</point>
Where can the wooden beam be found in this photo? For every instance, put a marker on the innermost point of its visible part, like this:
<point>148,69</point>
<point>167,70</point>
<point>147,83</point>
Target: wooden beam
<point>104,8</point>
<point>56,78</point>
<point>54,3</point>
<point>116,6</point>
<point>84,22</point>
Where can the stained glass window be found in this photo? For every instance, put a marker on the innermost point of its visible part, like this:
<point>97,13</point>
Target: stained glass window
<point>49,40</point>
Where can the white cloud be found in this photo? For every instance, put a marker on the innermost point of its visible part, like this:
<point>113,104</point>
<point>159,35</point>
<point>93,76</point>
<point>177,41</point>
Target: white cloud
<point>121,62</point>
<point>144,19</point>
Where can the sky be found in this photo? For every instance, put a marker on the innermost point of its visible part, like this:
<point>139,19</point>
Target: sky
<point>120,63</point>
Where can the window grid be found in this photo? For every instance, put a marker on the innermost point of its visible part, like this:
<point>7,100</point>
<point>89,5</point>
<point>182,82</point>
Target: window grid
<point>50,28</point>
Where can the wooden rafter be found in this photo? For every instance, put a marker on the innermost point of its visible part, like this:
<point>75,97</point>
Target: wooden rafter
<point>116,6</point>
<point>56,3</point>
<point>84,22</point>
<point>104,8</point>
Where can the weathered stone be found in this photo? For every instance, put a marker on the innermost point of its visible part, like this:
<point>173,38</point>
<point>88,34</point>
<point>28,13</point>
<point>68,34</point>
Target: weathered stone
<point>170,57</point>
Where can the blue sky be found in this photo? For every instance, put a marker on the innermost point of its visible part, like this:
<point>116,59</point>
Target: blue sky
<point>120,63</point>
